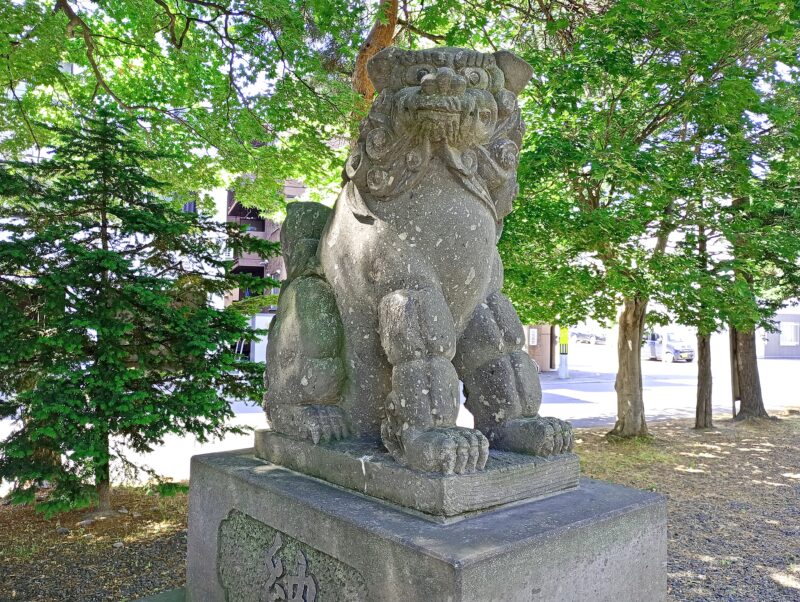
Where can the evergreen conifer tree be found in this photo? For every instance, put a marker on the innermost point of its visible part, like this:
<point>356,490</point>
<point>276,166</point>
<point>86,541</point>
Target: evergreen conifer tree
<point>108,339</point>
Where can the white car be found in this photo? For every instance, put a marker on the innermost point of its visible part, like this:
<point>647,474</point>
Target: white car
<point>669,347</point>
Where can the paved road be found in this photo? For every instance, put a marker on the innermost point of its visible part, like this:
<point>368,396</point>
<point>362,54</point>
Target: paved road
<point>586,399</point>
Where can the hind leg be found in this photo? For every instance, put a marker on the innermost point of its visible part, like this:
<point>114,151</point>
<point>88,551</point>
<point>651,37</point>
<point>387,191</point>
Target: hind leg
<point>418,336</point>
<point>304,373</point>
<point>502,385</point>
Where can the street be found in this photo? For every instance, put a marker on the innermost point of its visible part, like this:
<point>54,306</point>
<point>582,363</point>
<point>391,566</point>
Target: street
<point>587,398</point>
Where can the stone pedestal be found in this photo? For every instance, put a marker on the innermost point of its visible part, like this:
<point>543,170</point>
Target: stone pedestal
<point>366,467</point>
<point>261,532</point>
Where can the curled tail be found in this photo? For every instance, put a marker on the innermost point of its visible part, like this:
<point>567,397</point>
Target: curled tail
<point>300,235</point>
<point>305,371</point>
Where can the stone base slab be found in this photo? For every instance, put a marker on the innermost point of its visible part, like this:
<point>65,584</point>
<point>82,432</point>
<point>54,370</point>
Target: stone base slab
<point>366,467</point>
<point>261,532</point>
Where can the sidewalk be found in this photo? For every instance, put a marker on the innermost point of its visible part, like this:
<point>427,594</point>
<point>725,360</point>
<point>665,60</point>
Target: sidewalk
<point>575,377</point>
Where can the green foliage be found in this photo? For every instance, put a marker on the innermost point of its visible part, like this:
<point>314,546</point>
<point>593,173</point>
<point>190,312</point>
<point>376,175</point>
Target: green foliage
<point>643,125</point>
<point>107,336</point>
<point>253,304</point>
<point>169,489</point>
<point>259,87</point>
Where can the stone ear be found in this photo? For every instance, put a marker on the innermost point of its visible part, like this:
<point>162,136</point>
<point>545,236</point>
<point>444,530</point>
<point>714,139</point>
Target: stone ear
<point>380,67</point>
<point>517,72</point>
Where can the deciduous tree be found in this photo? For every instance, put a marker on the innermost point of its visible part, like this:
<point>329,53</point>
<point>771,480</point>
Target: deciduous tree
<point>219,89</point>
<point>612,132</point>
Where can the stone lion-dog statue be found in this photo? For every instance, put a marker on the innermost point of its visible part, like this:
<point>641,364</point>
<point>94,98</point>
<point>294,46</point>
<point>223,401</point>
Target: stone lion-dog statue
<point>393,296</point>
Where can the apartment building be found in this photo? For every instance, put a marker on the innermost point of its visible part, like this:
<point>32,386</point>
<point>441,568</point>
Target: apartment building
<point>261,267</point>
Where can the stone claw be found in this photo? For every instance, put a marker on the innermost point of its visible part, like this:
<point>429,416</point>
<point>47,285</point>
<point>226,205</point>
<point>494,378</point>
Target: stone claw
<point>562,435</point>
<point>534,435</point>
<point>453,450</point>
<point>315,422</point>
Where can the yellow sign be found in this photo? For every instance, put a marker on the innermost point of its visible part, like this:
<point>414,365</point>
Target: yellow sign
<point>563,335</point>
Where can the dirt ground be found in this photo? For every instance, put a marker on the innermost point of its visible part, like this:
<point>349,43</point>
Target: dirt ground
<point>40,561</point>
<point>733,501</point>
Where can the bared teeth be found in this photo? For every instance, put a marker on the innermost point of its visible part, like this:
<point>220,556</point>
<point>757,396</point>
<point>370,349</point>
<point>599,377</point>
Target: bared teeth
<point>449,104</point>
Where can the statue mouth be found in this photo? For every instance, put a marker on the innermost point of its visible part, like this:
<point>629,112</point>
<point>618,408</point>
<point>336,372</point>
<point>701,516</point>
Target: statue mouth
<point>439,117</point>
<point>438,125</point>
<point>438,104</point>
<point>453,119</point>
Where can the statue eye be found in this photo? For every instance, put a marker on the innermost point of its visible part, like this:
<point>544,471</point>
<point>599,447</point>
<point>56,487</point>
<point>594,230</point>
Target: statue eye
<point>415,73</point>
<point>476,78</point>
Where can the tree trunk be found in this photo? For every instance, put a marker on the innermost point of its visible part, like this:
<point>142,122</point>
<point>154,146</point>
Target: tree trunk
<point>752,402</point>
<point>380,36</point>
<point>102,479</point>
<point>734,362</point>
<point>630,401</point>
<point>703,415</point>
<point>102,471</point>
<point>103,488</point>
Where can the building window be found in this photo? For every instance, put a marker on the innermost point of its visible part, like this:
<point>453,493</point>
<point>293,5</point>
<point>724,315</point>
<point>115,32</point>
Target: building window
<point>254,225</point>
<point>790,334</point>
<point>190,207</point>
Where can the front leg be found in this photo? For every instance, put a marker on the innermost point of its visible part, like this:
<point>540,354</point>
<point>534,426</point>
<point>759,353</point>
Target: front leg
<point>419,430</point>
<point>502,385</point>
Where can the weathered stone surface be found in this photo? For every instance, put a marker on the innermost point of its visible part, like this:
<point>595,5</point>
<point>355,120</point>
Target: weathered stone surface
<point>394,296</point>
<point>304,373</point>
<point>600,542</point>
<point>364,466</point>
<point>289,570</point>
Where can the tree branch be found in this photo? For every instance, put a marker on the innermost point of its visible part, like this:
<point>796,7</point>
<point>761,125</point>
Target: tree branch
<point>406,24</point>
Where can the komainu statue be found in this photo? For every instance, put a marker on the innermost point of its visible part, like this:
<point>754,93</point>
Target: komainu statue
<point>393,296</point>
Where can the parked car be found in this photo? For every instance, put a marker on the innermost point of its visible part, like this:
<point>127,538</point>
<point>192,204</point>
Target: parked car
<point>587,335</point>
<point>669,347</point>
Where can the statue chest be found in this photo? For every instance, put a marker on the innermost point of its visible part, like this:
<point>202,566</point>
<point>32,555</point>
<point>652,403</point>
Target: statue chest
<point>450,230</point>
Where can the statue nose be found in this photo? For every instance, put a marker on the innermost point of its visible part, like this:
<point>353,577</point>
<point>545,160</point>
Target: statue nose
<point>444,82</point>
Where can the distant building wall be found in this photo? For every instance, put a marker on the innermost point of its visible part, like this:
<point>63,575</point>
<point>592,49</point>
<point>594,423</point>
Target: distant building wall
<point>786,342</point>
<point>258,348</point>
<point>251,263</point>
<point>539,345</point>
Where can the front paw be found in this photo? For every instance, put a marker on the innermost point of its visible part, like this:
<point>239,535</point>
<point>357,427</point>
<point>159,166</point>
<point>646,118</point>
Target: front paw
<point>536,435</point>
<point>315,422</point>
<point>452,450</point>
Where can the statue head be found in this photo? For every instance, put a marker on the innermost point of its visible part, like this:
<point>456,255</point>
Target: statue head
<point>454,104</point>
